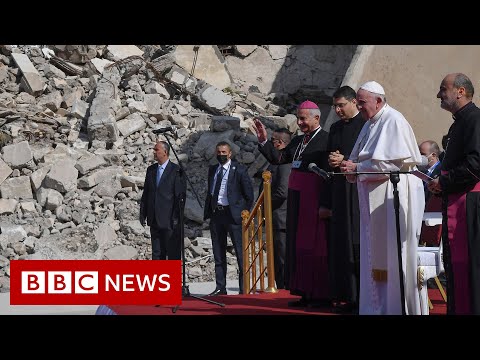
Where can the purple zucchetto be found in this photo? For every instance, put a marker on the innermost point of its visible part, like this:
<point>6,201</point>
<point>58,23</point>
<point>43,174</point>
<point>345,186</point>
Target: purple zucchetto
<point>308,105</point>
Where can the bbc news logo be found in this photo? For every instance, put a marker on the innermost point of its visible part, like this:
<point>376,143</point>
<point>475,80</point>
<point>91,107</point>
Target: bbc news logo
<point>95,282</point>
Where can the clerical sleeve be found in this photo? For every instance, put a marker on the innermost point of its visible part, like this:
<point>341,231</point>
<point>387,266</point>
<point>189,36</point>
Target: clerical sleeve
<point>275,156</point>
<point>466,171</point>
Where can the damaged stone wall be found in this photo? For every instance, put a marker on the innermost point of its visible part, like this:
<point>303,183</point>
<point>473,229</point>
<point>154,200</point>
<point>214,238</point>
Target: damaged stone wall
<point>76,137</point>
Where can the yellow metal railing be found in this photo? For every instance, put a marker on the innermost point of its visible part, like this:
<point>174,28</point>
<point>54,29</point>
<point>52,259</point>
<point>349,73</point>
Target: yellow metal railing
<point>254,244</point>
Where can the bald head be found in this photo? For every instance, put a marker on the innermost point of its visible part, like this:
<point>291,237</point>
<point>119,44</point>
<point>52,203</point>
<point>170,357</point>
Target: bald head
<point>456,90</point>
<point>430,150</point>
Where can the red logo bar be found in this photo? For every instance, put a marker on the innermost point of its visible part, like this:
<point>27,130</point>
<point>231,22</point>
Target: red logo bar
<point>95,282</point>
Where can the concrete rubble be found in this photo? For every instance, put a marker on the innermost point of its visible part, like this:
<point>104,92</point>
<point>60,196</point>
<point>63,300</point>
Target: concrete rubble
<point>76,138</point>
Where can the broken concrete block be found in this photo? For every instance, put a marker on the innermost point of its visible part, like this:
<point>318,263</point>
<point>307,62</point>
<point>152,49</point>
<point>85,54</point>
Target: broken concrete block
<point>36,178</point>
<point>100,64</point>
<point>17,155</point>
<point>157,88</point>
<point>16,188</point>
<point>132,123</point>
<point>257,101</point>
<point>7,206</point>
<point>31,82</point>
<point>59,84</point>
<point>122,113</point>
<point>119,52</point>
<point>135,106</point>
<point>245,50</point>
<point>3,73</point>
<point>89,163</point>
<point>215,99</point>
<point>52,101</point>
<point>50,71</point>
<point>62,176</point>
<point>209,63</point>
<point>99,176</point>
<point>182,79</point>
<point>5,171</point>
<point>278,51</point>
<point>79,109</point>
<point>71,95</point>
<point>153,103</point>
<point>101,123</point>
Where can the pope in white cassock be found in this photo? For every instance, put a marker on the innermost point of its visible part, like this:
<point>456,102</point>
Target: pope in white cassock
<point>386,143</point>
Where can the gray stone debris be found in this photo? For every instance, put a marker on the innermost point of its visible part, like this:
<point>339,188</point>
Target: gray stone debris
<point>79,140</point>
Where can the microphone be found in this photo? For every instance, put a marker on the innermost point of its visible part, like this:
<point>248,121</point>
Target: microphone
<point>161,131</point>
<point>320,172</point>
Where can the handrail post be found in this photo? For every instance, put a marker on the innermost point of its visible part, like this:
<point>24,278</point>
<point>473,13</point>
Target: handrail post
<point>245,232</point>
<point>267,175</point>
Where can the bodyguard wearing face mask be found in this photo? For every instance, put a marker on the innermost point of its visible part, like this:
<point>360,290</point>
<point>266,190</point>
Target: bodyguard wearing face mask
<point>230,191</point>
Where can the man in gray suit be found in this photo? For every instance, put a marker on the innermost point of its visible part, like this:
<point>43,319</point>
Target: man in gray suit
<point>163,201</point>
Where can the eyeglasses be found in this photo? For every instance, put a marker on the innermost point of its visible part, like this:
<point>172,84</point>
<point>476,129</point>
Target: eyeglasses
<point>339,105</point>
<point>274,140</point>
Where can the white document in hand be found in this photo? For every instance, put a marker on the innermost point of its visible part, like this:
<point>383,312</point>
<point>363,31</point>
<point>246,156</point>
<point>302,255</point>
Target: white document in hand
<point>424,177</point>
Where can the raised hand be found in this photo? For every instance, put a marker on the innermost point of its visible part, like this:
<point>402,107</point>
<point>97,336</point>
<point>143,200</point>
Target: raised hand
<point>260,130</point>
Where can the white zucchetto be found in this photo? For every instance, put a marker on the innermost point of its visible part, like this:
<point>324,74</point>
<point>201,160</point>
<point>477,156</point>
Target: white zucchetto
<point>373,87</point>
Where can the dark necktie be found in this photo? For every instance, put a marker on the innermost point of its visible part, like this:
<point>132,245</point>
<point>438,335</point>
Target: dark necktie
<point>216,190</point>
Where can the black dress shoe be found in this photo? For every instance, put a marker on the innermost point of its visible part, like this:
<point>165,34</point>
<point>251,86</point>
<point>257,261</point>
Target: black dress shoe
<point>346,308</point>
<point>298,303</point>
<point>218,292</point>
<point>319,303</point>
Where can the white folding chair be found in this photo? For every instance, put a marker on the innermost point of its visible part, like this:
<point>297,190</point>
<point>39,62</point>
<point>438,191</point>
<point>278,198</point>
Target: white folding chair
<point>430,265</point>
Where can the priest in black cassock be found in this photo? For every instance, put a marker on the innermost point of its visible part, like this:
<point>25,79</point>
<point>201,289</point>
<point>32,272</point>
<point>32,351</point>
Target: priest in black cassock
<point>306,260</point>
<point>459,184</point>
<point>344,240</point>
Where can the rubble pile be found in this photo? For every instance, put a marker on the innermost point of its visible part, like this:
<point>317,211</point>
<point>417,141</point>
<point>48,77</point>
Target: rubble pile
<point>76,138</point>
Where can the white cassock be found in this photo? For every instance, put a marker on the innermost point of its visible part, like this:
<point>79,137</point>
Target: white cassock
<point>387,143</point>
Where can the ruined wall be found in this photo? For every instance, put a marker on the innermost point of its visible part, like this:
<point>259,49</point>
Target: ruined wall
<point>411,76</point>
<point>302,71</point>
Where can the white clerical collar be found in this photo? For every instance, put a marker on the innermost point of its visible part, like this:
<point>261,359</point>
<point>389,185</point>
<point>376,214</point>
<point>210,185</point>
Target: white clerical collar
<point>377,116</point>
<point>350,119</point>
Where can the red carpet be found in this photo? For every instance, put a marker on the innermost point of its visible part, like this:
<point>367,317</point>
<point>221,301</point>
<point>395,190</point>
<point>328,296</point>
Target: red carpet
<point>439,306</point>
<point>259,304</point>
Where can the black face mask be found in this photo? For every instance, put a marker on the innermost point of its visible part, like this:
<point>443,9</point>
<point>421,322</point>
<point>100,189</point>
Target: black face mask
<point>222,159</point>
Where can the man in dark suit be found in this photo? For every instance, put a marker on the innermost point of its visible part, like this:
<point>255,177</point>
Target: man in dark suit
<point>163,200</point>
<point>431,235</point>
<point>280,173</point>
<point>431,151</point>
<point>230,191</point>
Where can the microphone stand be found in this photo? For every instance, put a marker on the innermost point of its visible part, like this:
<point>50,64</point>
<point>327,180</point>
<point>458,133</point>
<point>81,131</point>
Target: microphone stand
<point>185,289</point>
<point>394,179</point>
